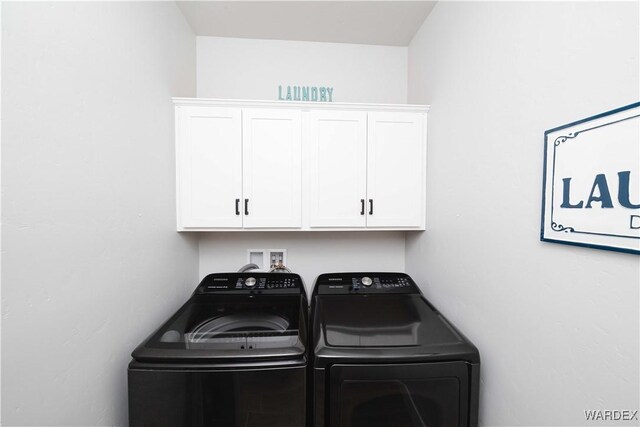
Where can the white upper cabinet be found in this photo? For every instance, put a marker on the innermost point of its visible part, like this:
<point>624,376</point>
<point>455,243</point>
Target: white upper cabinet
<point>395,170</point>
<point>272,180</point>
<point>337,168</point>
<point>261,165</point>
<point>209,166</point>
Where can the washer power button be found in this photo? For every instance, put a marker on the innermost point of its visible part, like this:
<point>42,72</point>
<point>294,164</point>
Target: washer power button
<point>366,281</point>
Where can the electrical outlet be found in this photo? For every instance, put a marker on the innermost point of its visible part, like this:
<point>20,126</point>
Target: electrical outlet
<point>277,257</point>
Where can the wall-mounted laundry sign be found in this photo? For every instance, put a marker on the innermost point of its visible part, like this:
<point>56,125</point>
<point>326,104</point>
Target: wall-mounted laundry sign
<point>591,183</point>
<point>305,93</point>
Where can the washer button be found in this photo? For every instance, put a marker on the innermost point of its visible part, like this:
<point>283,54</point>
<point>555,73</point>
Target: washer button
<point>250,282</point>
<point>366,281</point>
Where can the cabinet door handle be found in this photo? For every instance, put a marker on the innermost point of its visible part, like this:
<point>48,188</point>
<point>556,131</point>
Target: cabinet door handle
<point>361,206</point>
<point>237,206</point>
<point>246,206</point>
<point>370,206</point>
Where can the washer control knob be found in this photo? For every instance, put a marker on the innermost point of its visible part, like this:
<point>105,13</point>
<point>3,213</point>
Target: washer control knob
<point>250,282</point>
<point>366,281</point>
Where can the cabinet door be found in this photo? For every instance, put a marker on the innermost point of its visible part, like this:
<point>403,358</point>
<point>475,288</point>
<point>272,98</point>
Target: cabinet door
<point>271,150</point>
<point>337,168</point>
<point>209,159</point>
<point>395,170</point>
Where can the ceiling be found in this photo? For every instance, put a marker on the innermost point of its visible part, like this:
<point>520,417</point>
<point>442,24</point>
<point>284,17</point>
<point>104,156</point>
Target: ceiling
<point>391,23</point>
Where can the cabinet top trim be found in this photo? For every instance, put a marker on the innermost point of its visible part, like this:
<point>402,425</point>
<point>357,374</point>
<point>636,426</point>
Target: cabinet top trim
<point>301,105</point>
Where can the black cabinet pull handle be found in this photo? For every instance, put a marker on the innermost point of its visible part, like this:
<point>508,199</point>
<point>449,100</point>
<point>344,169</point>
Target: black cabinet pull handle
<point>246,206</point>
<point>370,206</point>
<point>361,206</point>
<point>237,206</point>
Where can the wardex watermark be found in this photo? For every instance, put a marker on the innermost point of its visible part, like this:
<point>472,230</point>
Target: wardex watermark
<point>610,415</point>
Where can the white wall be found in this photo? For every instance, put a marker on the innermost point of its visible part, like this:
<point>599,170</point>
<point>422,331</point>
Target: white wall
<point>91,261</point>
<point>0,212</point>
<point>253,69</point>
<point>557,326</point>
<point>308,253</point>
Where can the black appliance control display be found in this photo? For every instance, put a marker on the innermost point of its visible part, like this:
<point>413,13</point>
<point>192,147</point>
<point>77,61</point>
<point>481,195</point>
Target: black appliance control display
<point>366,283</point>
<point>251,283</point>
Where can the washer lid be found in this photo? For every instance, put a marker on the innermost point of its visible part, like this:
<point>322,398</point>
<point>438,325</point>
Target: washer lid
<point>242,331</point>
<point>212,327</point>
<point>238,323</point>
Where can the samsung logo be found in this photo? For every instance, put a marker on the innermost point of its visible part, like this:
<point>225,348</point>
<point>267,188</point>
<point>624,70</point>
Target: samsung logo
<point>221,279</point>
<point>335,279</point>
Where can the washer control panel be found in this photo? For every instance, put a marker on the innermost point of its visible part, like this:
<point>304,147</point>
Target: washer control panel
<point>251,282</point>
<point>365,283</point>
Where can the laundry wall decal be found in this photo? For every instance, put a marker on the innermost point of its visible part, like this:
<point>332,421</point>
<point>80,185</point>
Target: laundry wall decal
<point>305,93</point>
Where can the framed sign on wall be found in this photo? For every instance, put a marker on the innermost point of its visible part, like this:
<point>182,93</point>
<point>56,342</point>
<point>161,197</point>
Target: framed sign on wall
<point>591,182</point>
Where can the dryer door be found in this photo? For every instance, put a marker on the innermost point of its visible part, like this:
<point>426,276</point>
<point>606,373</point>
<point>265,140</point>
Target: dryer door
<point>399,395</point>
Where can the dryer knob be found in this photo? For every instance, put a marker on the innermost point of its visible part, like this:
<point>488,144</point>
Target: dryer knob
<point>366,281</point>
<point>250,282</point>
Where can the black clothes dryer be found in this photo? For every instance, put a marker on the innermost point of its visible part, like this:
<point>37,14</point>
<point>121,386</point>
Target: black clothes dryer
<point>383,356</point>
<point>233,355</point>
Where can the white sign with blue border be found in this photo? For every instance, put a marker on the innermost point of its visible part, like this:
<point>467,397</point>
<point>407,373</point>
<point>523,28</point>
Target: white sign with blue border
<point>591,182</point>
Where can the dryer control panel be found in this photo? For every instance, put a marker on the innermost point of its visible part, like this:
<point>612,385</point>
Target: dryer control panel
<point>251,283</point>
<point>365,283</point>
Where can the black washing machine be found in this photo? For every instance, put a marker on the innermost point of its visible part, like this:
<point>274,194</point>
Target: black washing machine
<point>383,356</point>
<point>233,355</point>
